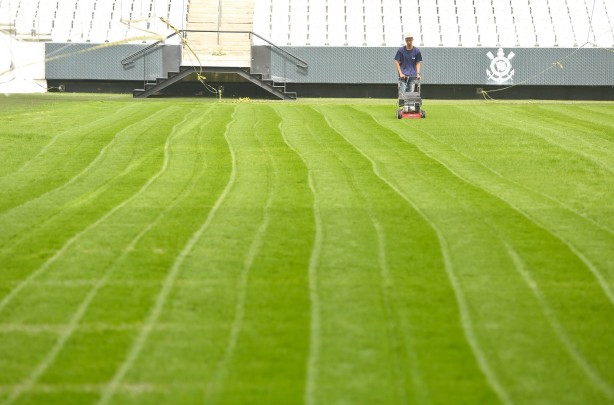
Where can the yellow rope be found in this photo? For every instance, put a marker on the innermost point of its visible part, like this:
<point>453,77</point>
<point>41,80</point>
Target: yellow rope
<point>91,49</point>
<point>558,63</point>
<point>184,42</point>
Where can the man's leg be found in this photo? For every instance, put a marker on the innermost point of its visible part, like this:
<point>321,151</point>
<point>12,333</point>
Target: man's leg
<point>402,87</point>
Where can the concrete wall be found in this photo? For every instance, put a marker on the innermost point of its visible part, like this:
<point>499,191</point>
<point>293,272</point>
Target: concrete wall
<point>78,61</point>
<point>340,71</point>
<point>352,65</point>
<point>451,66</point>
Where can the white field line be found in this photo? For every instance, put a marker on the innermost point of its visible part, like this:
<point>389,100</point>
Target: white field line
<point>314,337</point>
<point>67,332</point>
<point>387,286</point>
<point>465,316</point>
<point>58,329</point>
<point>55,138</point>
<point>121,283</point>
<point>217,380</point>
<point>149,324</point>
<point>592,268</point>
<point>555,324</point>
<point>134,389</point>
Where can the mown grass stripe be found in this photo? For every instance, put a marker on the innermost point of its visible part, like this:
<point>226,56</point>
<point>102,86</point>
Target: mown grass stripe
<point>24,141</point>
<point>28,219</point>
<point>465,316</point>
<point>312,362</point>
<point>276,318</point>
<point>70,153</point>
<point>83,128</point>
<point>549,184</point>
<point>220,371</point>
<point>592,124</point>
<point>167,286</point>
<point>554,227</point>
<point>70,181</point>
<point>562,335</point>
<point>538,313</point>
<point>70,242</point>
<point>395,325</point>
<point>166,345</point>
<point>466,320</point>
<point>359,123</point>
<point>341,178</point>
<point>561,138</point>
<point>589,370</point>
<point>573,246</point>
<point>189,152</point>
<point>77,317</point>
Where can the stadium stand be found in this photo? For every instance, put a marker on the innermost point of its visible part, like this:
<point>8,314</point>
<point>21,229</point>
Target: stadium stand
<point>220,33</point>
<point>229,41</point>
<point>393,25</point>
<point>317,27</point>
<point>95,21</point>
<point>337,25</point>
<point>448,23</point>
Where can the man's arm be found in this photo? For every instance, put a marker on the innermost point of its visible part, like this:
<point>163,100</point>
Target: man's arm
<point>401,75</point>
<point>418,67</point>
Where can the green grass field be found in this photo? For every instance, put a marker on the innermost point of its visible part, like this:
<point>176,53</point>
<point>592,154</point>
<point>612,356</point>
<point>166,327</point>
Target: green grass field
<point>317,252</point>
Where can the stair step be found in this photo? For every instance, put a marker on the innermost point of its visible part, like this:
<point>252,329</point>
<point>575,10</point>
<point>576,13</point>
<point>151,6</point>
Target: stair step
<point>219,62</point>
<point>153,87</point>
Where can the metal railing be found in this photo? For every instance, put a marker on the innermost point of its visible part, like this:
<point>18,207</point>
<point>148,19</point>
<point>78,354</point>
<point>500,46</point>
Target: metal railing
<point>130,59</point>
<point>297,61</point>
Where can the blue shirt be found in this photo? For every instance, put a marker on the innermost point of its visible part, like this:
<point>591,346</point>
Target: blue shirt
<point>408,59</point>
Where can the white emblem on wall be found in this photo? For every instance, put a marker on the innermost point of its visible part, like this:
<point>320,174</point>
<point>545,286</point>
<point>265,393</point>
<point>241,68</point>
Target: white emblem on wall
<point>500,67</point>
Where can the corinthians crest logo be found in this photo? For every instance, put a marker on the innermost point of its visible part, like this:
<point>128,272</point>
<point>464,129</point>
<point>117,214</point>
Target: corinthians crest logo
<point>500,67</point>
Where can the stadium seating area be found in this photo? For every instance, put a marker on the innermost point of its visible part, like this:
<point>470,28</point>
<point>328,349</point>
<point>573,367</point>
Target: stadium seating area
<point>449,23</point>
<point>228,48</point>
<point>95,21</point>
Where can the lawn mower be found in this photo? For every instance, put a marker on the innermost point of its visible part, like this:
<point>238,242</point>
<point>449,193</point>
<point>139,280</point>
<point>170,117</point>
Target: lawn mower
<point>410,102</point>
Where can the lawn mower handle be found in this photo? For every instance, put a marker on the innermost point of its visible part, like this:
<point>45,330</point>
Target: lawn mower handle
<point>408,78</point>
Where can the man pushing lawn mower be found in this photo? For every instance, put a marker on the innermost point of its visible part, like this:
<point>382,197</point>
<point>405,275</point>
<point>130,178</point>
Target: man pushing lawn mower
<point>408,61</point>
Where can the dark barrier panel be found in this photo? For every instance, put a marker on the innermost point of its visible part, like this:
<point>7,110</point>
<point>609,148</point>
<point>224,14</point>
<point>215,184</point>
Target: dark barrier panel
<point>78,61</point>
<point>456,66</point>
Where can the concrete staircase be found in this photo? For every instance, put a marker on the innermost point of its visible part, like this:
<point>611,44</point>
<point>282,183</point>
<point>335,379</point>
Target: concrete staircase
<point>219,49</point>
<point>224,49</point>
<point>275,89</point>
